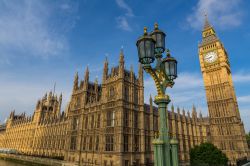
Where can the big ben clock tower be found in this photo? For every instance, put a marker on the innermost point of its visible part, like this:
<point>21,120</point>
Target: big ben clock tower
<point>226,127</point>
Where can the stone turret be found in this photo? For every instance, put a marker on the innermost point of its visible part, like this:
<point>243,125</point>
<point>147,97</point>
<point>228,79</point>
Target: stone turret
<point>47,107</point>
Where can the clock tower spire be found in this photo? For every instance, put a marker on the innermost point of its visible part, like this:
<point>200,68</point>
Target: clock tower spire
<point>227,130</point>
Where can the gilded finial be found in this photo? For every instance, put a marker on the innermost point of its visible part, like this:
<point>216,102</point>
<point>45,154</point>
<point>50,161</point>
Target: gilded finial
<point>145,30</point>
<point>156,25</point>
<point>168,53</point>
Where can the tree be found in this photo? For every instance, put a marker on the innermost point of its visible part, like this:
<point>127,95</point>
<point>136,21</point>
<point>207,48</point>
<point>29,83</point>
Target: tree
<point>206,154</point>
<point>248,139</point>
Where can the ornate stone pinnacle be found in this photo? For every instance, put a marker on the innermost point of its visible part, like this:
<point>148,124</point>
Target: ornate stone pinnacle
<point>156,25</point>
<point>145,30</point>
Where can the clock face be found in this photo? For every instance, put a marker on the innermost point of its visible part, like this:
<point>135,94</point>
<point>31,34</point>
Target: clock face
<point>210,57</point>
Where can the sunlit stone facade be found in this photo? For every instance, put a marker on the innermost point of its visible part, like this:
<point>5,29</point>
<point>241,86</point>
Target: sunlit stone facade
<point>104,124</point>
<point>41,134</point>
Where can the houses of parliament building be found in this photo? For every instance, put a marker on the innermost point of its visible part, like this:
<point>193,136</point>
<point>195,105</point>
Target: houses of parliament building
<point>109,124</point>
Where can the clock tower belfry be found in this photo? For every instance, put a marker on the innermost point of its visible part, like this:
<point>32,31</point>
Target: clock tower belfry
<point>226,127</point>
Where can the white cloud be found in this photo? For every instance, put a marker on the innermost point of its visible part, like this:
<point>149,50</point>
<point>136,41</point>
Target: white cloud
<point>123,24</point>
<point>123,5</point>
<point>27,29</point>
<point>245,116</point>
<point>222,13</point>
<point>65,6</point>
<point>244,99</point>
<point>23,95</point>
<point>241,77</point>
<point>122,21</point>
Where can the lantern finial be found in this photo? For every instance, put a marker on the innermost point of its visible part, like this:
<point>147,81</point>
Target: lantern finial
<point>156,26</point>
<point>145,30</point>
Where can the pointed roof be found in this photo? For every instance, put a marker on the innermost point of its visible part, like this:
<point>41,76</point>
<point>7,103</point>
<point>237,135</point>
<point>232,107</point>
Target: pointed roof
<point>206,23</point>
<point>208,33</point>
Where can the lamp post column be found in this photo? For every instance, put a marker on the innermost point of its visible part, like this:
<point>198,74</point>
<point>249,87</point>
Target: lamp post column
<point>162,142</point>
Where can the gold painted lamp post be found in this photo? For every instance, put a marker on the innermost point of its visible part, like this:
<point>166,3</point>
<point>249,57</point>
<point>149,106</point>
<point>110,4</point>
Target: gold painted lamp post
<point>150,47</point>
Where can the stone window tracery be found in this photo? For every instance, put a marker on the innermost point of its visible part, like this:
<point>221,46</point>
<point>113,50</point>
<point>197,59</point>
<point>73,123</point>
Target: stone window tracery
<point>109,138</point>
<point>110,118</point>
<point>73,143</point>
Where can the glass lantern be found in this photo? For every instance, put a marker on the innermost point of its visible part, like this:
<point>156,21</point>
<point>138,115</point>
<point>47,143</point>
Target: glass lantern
<point>169,65</point>
<point>145,46</point>
<point>159,38</point>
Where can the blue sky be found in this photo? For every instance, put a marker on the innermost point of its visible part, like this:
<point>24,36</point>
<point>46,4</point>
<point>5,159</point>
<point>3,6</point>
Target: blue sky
<point>43,42</point>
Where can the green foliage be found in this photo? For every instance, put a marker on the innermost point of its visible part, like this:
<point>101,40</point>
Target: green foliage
<point>206,154</point>
<point>248,139</point>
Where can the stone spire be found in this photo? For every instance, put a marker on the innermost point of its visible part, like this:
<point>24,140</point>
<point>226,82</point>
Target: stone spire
<point>105,69</point>
<point>194,113</point>
<point>183,112</point>
<point>150,100</point>
<point>121,63</point>
<point>50,95</point>
<point>172,107</point>
<point>151,104</point>
<point>96,83</point>
<point>188,113</point>
<point>178,111</point>
<point>206,23</point>
<point>121,59</point>
<point>86,75</point>
<point>60,98</point>
<point>38,104</point>
<point>131,72</point>
<point>76,81</point>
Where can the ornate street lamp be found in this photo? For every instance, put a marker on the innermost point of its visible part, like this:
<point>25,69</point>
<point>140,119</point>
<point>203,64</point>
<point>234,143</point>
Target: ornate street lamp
<point>150,47</point>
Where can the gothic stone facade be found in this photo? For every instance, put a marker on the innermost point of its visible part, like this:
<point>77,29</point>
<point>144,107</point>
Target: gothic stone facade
<point>104,124</point>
